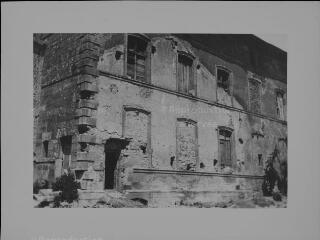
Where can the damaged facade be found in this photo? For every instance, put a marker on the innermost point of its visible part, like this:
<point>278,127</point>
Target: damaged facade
<point>162,117</point>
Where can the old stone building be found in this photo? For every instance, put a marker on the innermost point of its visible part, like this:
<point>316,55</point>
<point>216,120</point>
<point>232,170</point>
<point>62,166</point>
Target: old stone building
<point>162,117</point>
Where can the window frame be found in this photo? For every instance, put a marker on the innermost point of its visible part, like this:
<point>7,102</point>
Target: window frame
<point>192,75</point>
<point>282,93</point>
<point>223,68</point>
<point>231,131</point>
<point>147,56</point>
<point>260,94</point>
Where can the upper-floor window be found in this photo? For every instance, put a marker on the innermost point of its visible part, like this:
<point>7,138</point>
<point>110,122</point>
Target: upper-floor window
<point>186,81</point>
<point>223,79</point>
<point>280,104</point>
<point>255,95</point>
<point>137,56</point>
<point>45,148</point>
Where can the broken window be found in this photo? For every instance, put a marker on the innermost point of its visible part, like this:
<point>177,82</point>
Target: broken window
<point>137,127</point>
<point>255,95</point>
<point>225,146</point>
<point>187,152</point>
<point>45,148</point>
<point>260,159</point>
<point>223,79</point>
<point>136,59</point>
<point>280,105</point>
<point>186,81</point>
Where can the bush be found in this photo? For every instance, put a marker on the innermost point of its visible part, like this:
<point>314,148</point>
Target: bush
<point>68,187</point>
<point>276,196</point>
<point>40,184</point>
<point>283,181</point>
<point>270,179</point>
<point>43,204</point>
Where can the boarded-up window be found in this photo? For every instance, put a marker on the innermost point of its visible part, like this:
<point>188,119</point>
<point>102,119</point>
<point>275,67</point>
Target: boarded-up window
<point>186,145</point>
<point>223,79</point>
<point>280,105</point>
<point>255,95</point>
<point>186,81</point>
<point>136,60</point>
<point>137,127</point>
<point>225,147</point>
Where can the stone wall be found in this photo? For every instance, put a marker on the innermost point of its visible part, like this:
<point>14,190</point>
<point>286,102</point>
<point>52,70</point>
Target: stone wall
<point>85,95</point>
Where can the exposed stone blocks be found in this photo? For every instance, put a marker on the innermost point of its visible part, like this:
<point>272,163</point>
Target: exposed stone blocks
<point>89,139</point>
<point>89,51</point>
<point>88,103</point>
<point>88,121</point>
<point>85,112</point>
<point>88,87</point>
<point>87,156</point>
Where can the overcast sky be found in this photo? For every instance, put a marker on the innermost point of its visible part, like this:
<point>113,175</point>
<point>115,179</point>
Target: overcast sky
<point>278,40</point>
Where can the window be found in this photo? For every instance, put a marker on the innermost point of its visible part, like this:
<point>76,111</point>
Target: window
<point>187,152</point>
<point>260,159</point>
<point>280,104</point>
<point>136,59</point>
<point>225,146</point>
<point>186,81</point>
<point>45,148</point>
<point>255,95</point>
<point>223,79</point>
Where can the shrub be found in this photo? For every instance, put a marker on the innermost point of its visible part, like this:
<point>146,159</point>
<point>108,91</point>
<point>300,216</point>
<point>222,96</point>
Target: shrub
<point>68,187</point>
<point>276,196</point>
<point>57,201</point>
<point>43,204</point>
<point>283,182</point>
<point>270,179</point>
<point>40,184</point>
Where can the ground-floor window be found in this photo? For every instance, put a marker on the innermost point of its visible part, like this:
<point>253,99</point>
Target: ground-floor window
<point>225,146</point>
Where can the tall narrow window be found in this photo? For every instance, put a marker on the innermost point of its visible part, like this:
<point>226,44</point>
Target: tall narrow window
<point>136,59</point>
<point>45,148</point>
<point>187,153</point>
<point>223,79</point>
<point>186,81</point>
<point>255,95</point>
<point>225,146</point>
<point>280,105</point>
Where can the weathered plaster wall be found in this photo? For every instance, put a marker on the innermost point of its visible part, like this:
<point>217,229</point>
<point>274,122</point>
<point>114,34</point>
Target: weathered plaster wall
<point>166,108</point>
<point>240,93</point>
<point>163,63</point>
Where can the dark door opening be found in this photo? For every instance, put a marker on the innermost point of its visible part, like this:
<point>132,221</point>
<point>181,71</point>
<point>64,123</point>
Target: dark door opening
<point>112,150</point>
<point>66,143</point>
<point>110,169</point>
<point>112,154</point>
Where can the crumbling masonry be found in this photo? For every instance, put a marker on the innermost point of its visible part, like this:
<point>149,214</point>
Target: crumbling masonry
<point>163,117</point>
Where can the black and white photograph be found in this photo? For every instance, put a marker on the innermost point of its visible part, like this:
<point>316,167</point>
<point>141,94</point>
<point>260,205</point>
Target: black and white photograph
<point>159,120</point>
